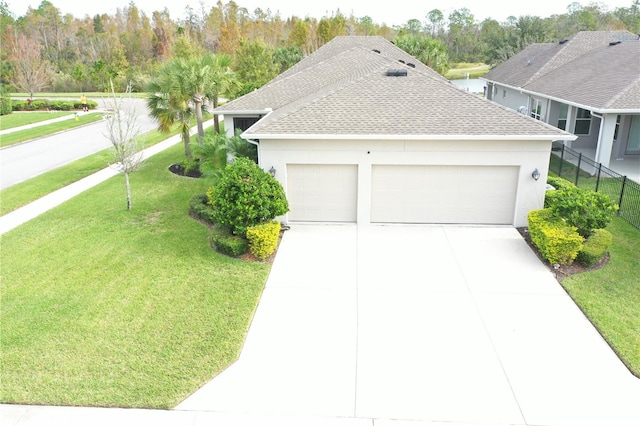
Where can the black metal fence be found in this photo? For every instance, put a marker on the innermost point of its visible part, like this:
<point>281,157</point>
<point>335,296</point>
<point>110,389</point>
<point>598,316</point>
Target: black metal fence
<point>586,173</point>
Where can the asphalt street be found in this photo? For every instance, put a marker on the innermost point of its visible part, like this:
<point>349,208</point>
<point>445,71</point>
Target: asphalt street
<point>26,160</point>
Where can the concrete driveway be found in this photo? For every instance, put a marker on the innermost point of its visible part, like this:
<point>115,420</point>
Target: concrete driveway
<point>420,323</point>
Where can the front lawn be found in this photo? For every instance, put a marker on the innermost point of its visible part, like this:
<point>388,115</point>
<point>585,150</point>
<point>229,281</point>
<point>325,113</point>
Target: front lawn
<point>610,297</point>
<point>106,307</point>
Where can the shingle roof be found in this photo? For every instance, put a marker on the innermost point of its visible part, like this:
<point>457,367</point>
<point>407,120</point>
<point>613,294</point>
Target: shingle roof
<point>585,70</point>
<point>346,91</point>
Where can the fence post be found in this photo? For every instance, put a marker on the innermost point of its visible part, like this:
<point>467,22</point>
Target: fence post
<point>624,183</point>
<point>578,168</point>
<point>598,178</point>
<point>561,161</point>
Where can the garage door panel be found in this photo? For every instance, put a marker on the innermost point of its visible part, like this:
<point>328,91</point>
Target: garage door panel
<point>443,194</point>
<point>322,192</point>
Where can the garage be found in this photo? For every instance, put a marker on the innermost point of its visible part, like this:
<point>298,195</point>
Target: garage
<point>322,192</point>
<point>443,194</point>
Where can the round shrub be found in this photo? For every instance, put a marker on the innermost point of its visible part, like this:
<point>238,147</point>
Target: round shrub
<point>595,247</point>
<point>246,196</point>
<point>263,239</point>
<point>585,209</point>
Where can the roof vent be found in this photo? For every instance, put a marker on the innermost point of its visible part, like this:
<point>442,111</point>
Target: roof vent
<point>529,62</point>
<point>376,50</point>
<point>411,65</point>
<point>401,61</point>
<point>613,43</point>
<point>396,73</point>
<point>564,41</point>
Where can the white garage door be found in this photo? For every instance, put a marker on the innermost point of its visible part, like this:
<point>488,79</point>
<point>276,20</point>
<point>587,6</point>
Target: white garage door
<point>322,192</point>
<point>443,194</point>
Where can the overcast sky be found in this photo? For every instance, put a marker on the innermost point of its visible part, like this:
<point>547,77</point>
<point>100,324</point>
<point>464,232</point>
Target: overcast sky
<point>393,12</point>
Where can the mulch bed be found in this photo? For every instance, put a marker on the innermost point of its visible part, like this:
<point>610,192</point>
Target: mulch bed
<point>563,270</point>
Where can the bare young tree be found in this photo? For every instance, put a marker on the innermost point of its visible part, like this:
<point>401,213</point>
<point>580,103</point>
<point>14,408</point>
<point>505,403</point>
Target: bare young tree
<point>123,131</point>
<point>31,72</point>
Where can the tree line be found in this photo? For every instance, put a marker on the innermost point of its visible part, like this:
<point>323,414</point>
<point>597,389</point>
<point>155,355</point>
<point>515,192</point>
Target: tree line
<point>45,50</point>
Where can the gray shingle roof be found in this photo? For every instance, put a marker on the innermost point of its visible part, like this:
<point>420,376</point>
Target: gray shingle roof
<point>585,70</point>
<point>346,91</point>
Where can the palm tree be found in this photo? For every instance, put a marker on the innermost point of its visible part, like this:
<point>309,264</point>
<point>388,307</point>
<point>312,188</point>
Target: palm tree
<point>169,102</point>
<point>225,81</point>
<point>182,88</point>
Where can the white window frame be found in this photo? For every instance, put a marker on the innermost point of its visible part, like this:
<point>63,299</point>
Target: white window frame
<point>580,122</point>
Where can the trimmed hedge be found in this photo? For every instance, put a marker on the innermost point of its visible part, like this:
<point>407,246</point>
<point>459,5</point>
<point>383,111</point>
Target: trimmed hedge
<point>227,243</point>
<point>200,207</point>
<point>595,247</point>
<point>263,238</point>
<point>55,105</point>
<point>558,242</point>
<point>5,102</point>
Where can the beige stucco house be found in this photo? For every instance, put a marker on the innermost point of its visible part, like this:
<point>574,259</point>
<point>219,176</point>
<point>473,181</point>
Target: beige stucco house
<point>361,132</point>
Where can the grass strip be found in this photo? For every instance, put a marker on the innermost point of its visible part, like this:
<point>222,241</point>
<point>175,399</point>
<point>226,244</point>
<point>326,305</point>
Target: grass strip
<point>47,129</point>
<point>26,192</point>
<point>17,119</point>
<point>107,307</point>
<point>610,297</point>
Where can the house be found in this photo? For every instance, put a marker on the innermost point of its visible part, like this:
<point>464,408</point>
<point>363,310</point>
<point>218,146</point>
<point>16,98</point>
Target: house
<point>588,85</point>
<point>362,132</point>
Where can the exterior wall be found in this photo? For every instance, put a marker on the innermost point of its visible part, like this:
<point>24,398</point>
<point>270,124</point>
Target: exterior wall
<point>527,155</point>
<point>590,140</point>
<point>511,98</point>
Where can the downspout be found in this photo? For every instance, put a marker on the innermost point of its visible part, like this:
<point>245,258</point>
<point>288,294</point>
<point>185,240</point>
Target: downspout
<point>257,144</point>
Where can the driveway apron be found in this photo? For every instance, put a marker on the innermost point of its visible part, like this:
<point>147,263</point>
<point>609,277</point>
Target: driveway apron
<point>431,323</point>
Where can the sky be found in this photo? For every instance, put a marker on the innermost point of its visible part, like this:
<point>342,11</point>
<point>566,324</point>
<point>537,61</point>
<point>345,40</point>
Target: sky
<point>395,12</point>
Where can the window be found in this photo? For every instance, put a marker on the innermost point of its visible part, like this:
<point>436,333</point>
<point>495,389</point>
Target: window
<point>583,122</point>
<point>615,132</point>
<point>243,123</point>
<point>562,117</point>
<point>504,93</point>
<point>536,109</point>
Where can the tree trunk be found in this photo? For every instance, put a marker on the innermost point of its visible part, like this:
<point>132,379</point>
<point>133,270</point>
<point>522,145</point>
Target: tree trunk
<point>198,103</point>
<point>128,187</point>
<point>216,120</point>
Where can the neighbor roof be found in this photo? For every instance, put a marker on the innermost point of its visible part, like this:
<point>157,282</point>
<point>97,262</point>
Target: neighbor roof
<point>598,69</point>
<point>345,92</point>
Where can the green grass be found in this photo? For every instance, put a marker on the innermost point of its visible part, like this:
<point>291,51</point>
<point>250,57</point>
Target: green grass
<point>459,71</point>
<point>107,307</point>
<point>18,119</point>
<point>23,193</point>
<point>610,297</point>
<point>47,129</point>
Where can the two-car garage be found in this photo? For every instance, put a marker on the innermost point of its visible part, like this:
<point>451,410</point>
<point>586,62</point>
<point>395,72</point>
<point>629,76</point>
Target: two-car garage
<point>405,193</point>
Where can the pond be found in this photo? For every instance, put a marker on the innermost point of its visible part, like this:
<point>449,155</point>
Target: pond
<point>474,85</point>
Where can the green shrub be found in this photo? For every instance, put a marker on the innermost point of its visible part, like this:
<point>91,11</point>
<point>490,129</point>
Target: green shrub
<point>558,242</point>
<point>263,238</point>
<point>583,208</point>
<point>5,102</point>
<point>559,183</point>
<point>246,196</point>
<point>227,243</point>
<point>595,247</point>
<point>200,207</point>
<point>61,105</point>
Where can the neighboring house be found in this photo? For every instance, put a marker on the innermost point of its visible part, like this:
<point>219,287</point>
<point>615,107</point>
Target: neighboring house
<point>588,85</point>
<point>362,132</point>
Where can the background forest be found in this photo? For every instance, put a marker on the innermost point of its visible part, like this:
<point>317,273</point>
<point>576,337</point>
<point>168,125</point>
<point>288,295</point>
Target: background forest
<point>44,50</point>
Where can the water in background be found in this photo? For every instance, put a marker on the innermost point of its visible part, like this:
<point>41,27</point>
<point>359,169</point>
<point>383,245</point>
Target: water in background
<point>474,85</point>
